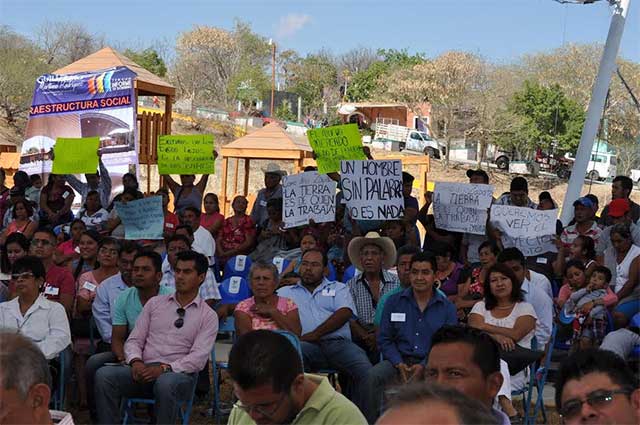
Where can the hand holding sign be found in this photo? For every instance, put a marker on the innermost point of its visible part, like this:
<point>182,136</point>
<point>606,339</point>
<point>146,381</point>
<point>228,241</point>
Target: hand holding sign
<point>333,144</point>
<point>75,155</point>
<point>142,218</point>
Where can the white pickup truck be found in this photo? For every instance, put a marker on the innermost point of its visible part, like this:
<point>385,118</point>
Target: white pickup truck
<point>635,176</point>
<point>409,139</point>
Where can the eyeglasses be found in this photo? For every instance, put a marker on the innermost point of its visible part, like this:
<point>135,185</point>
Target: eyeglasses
<point>22,276</point>
<point>43,242</point>
<point>180,321</point>
<point>596,399</point>
<point>263,410</point>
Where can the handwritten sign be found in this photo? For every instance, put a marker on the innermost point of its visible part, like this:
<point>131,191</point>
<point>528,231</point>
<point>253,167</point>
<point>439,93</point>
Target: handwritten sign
<point>185,154</point>
<point>308,196</point>
<point>142,218</point>
<point>76,155</point>
<point>461,207</point>
<point>333,144</point>
<point>372,190</point>
<point>531,231</point>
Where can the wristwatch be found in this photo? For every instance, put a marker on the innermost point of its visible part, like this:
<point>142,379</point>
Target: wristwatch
<point>166,368</point>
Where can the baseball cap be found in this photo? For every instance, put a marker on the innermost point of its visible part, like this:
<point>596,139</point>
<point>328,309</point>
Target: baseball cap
<point>481,173</point>
<point>584,201</point>
<point>619,207</point>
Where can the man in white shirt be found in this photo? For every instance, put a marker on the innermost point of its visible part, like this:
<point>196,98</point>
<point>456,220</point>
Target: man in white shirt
<point>203,241</point>
<point>178,243</point>
<point>534,291</point>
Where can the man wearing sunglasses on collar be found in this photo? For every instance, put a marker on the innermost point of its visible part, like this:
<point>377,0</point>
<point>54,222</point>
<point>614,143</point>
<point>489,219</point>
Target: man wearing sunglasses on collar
<point>596,386</point>
<point>169,345</point>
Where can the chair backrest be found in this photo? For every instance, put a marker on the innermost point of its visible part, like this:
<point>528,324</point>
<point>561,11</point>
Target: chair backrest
<point>635,321</point>
<point>333,274</point>
<point>281,263</point>
<point>294,340</point>
<point>237,266</point>
<point>349,273</point>
<point>227,326</point>
<point>234,289</point>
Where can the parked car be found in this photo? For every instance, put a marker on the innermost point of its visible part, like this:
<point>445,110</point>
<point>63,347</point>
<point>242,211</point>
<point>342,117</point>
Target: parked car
<point>601,165</point>
<point>409,139</point>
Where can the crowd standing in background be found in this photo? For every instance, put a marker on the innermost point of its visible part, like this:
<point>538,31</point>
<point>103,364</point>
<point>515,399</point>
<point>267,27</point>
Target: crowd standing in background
<point>433,332</point>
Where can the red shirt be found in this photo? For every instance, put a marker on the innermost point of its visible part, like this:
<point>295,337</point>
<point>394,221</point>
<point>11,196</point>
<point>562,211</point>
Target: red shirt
<point>170,222</point>
<point>60,278</point>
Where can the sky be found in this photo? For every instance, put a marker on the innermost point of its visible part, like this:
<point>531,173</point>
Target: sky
<point>499,30</point>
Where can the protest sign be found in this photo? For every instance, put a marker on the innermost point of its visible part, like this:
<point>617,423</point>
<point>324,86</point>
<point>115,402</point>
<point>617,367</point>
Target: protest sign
<point>333,144</point>
<point>76,155</point>
<point>461,207</point>
<point>142,218</point>
<point>308,196</point>
<point>531,231</point>
<point>185,154</point>
<point>372,190</point>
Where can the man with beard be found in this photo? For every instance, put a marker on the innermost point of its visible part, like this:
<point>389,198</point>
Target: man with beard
<point>272,388</point>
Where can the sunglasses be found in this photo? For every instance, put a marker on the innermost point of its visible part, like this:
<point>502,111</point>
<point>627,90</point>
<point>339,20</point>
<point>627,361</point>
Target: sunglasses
<point>596,399</point>
<point>180,321</point>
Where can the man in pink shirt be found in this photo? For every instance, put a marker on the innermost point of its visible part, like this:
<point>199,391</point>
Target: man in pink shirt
<point>169,345</point>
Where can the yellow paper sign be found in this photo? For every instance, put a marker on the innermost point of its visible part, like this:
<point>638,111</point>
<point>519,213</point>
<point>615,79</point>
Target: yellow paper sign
<point>333,144</point>
<point>76,155</point>
<point>185,154</point>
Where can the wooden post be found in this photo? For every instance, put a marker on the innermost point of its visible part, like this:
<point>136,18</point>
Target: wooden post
<point>235,176</point>
<point>247,162</point>
<point>223,183</point>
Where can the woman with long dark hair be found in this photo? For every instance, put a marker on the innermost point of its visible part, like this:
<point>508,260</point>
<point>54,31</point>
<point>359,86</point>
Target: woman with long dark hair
<point>21,223</point>
<point>55,201</point>
<point>88,260</point>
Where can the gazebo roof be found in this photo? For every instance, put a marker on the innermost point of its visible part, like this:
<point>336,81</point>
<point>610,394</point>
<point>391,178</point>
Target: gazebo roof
<point>269,142</point>
<point>147,83</point>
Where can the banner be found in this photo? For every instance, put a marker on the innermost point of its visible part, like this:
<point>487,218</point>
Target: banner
<point>185,154</point>
<point>531,231</point>
<point>333,144</point>
<point>76,156</point>
<point>83,105</point>
<point>308,196</point>
<point>142,218</point>
<point>462,207</point>
<point>372,190</point>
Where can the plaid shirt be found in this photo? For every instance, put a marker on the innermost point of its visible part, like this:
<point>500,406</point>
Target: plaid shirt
<point>570,233</point>
<point>208,290</point>
<point>362,297</point>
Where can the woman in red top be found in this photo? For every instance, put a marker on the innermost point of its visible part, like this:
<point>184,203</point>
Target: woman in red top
<point>170,219</point>
<point>472,290</point>
<point>238,233</point>
<point>212,220</point>
<point>21,222</point>
<point>70,250</point>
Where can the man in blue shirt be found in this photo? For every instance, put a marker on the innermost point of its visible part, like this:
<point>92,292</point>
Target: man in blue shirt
<point>325,309</point>
<point>102,309</point>
<point>409,320</point>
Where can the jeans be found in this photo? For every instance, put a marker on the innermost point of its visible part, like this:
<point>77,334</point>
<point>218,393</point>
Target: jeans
<point>380,376</point>
<point>112,383</point>
<point>345,357</point>
<point>94,363</point>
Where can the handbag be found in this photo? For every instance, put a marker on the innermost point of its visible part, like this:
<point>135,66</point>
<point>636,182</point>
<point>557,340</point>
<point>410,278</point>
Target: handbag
<point>519,358</point>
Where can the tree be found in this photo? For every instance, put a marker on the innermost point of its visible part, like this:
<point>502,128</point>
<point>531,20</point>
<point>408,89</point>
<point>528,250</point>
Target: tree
<point>149,59</point>
<point>314,78</point>
<point>66,42</point>
<point>21,62</point>
<point>447,83</point>
<point>207,59</point>
<point>284,112</point>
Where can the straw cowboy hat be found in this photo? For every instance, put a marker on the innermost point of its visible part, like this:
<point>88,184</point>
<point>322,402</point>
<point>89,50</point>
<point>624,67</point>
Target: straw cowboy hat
<point>273,168</point>
<point>372,238</point>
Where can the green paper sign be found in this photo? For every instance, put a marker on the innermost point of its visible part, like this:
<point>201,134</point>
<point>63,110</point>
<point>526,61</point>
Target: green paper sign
<point>76,156</point>
<point>185,154</point>
<point>334,144</point>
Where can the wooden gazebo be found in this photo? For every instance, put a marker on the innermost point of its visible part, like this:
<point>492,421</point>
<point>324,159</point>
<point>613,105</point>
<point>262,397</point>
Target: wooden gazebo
<point>271,142</point>
<point>150,125</point>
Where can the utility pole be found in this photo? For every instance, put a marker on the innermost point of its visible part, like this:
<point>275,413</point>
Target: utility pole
<point>273,75</point>
<point>596,107</point>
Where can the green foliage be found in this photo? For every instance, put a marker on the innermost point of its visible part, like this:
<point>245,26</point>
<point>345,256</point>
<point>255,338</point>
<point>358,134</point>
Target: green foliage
<point>401,58</point>
<point>284,112</point>
<point>311,77</point>
<point>149,59</point>
<point>543,114</point>
<point>249,85</point>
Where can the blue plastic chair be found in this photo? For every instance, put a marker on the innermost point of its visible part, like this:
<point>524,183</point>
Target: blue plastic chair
<point>233,267</point>
<point>293,338</point>
<point>349,273</point>
<point>234,289</point>
<point>527,390</point>
<point>226,327</point>
<point>185,409</point>
<point>281,264</point>
<point>541,379</point>
<point>333,274</point>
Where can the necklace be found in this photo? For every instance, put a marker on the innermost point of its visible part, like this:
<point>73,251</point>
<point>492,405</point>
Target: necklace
<point>505,307</point>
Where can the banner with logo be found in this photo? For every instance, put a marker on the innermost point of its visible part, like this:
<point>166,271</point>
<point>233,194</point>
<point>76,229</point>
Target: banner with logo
<point>87,104</point>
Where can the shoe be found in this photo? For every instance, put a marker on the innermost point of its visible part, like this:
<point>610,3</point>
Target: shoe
<point>516,419</point>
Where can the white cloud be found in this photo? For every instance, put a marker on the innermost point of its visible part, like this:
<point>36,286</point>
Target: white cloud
<point>291,24</point>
